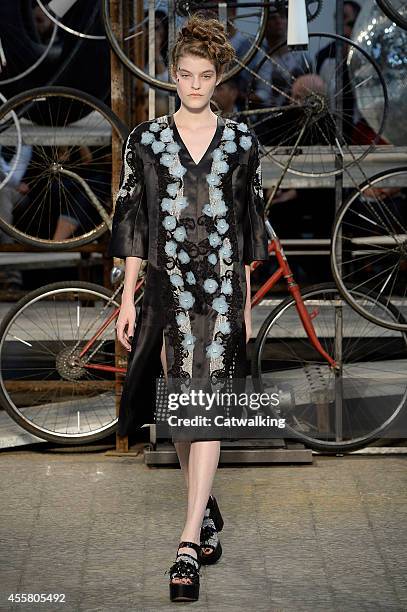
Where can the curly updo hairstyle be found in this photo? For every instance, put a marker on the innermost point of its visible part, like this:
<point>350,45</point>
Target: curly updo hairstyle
<point>204,37</point>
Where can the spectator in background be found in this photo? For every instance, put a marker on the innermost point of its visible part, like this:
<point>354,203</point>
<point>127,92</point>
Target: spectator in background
<point>44,28</point>
<point>326,68</point>
<point>77,213</point>
<point>276,68</point>
<point>10,194</point>
<point>225,96</point>
<point>279,71</point>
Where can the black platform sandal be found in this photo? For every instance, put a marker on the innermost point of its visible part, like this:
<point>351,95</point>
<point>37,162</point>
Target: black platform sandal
<point>212,523</point>
<point>185,566</point>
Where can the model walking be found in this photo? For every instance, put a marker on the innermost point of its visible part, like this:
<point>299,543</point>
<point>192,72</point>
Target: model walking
<point>191,203</point>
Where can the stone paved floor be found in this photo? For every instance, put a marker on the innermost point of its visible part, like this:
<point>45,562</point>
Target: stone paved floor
<point>102,530</point>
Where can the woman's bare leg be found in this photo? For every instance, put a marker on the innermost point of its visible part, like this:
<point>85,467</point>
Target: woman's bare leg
<point>202,465</point>
<point>182,448</point>
<point>199,461</point>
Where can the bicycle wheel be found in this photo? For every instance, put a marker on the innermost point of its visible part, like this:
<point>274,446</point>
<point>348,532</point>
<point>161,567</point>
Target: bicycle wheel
<point>369,246</point>
<point>246,26</point>
<point>48,384</point>
<point>396,10</point>
<point>371,378</point>
<point>68,16</point>
<point>21,50</point>
<point>296,107</point>
<point>68,200</point>
<point>11,145</point>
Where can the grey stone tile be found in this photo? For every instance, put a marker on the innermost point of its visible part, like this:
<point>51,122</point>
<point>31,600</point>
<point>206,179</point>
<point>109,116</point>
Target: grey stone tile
<point>328,536</point>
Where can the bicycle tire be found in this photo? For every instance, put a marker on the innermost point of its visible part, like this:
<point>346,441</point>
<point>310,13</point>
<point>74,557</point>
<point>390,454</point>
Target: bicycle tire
<point>355,159</point>
<point>51,16</point>
<point>5,401</point>
<point>7,177</point>
<point>335,265</point>
<point>120,129</point>
<point>317,444</point>
<point>392,13</point>
<point>163,85</point>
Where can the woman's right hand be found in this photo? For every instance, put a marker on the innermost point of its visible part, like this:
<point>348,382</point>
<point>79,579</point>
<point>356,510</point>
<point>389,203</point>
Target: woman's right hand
<point>125,324</point>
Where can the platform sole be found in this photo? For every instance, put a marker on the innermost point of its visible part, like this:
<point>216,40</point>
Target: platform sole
<point>213,557</point>
<point>184,592</point>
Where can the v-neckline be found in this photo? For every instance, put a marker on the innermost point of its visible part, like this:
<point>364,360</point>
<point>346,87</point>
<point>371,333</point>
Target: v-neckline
<point>214,137</point>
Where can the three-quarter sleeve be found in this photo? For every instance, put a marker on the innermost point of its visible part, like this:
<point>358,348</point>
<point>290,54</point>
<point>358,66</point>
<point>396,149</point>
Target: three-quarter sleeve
<point>254,229</point>
<point>130,220</point>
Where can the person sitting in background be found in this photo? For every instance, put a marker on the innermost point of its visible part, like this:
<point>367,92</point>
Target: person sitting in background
<point>10,193</point>
<point>78,212</point>
<point>326,68</point>
<point>277,68</point>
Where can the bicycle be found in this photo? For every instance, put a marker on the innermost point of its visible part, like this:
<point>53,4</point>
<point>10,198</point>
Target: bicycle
<point>71,135</point>
<point>63,337</point>
<point>328,369</point>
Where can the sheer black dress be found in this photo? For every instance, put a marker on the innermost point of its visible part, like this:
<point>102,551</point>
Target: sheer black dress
<point>197,225</point>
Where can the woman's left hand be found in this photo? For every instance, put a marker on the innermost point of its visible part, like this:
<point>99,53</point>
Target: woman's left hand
<point>248,323</point>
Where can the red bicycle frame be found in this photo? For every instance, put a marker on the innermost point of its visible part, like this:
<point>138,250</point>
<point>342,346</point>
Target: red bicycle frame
<point>283,271</point>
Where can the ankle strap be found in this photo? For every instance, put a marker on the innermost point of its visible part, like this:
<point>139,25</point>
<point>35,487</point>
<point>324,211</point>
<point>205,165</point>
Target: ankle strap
<point>193,545</point>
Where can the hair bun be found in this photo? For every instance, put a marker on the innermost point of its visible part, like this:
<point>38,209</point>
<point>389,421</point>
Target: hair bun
<point>204,36</point>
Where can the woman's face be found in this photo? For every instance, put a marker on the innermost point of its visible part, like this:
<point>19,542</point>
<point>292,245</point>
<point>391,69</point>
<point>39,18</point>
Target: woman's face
<point>196,80</point>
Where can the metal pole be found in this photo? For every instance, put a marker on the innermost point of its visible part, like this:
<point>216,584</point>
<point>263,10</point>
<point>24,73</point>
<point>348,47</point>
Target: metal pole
<point>118,103</point>
<point>338,201</point>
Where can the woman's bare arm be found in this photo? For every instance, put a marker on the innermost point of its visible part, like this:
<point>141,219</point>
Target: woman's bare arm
<point>127,317</point>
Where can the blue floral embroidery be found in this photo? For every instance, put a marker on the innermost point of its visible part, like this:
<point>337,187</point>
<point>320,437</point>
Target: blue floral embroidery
<point>222,226</point>
<point>245,142</point>
<point>180,234</point>
<point>215,349</point>
<point>172,189</point>
<point>221,167</point>
<point>166,204</point>
<point>158,146</point>
<point>147,138</point>
<point>191,278</point>
<point>228,133</point>
<point>220,305</point>
<point>215,209</point>
<point>154,127</point>
<point>186,300</point>
<point>177,280</point>
<point>170,248</point>
<point>225,251</point>
<point>173,147</point>
<point>166,159</point>
<point>217,154</point>
<point>181,319</point>
<point>166,134</point>
<point>210,285</point>
<point>180,203</point>
<point>224,327</point>
<point>213,179</point>
<point>169,222</point>
<point>230,147</point>
<point>214,239</point>
<point>207,210</point>
<point>178,171</point>
<point>188,341</point>
<point>217,194</point>
<point>183,257</point>
<point>219,209</point>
